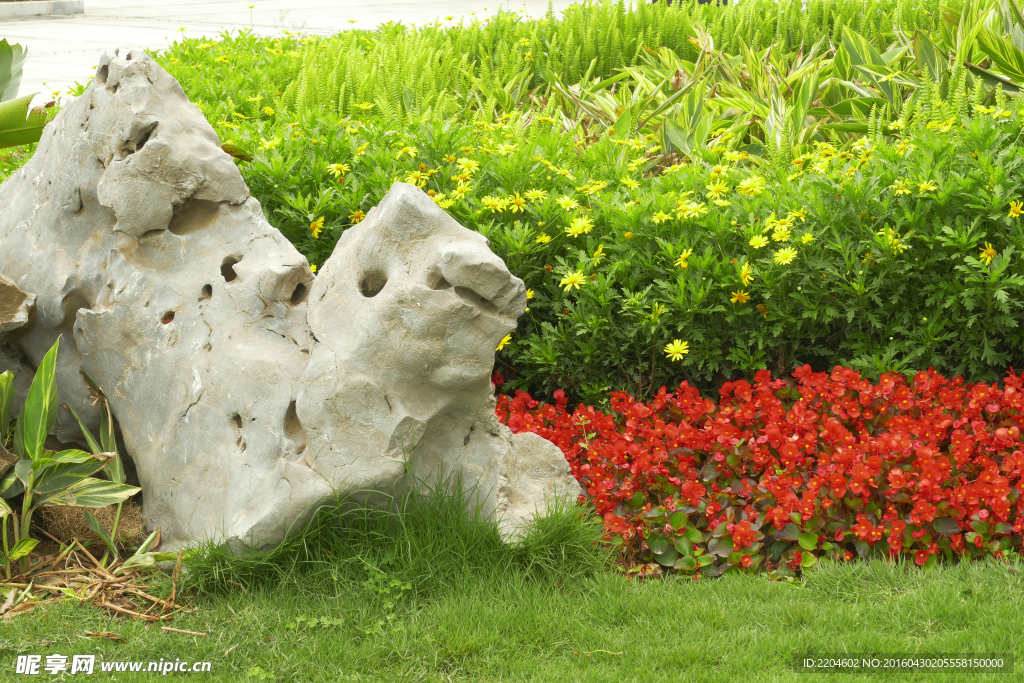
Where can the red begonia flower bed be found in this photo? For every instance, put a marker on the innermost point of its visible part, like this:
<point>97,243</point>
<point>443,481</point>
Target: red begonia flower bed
<point>779,474</point>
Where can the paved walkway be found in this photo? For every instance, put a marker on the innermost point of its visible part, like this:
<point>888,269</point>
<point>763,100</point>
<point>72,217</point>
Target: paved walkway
<point>64,50</point>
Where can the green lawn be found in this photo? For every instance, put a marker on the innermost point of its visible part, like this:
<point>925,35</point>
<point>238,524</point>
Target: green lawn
<point>476,610</point>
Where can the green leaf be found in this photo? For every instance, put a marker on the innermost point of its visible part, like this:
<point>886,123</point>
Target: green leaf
<point>18,125</point>
<point>10,484</point>
<point>658,543</point>
<point>723,547</point>
<point>686,563</point>
<point>6,400</point>
<point>12,60</point>
<point>22,548</point>
<point>808,541</point>
<point>95,525</point>
<point>62,476</point>
<point>791,532</point>
<point>86,434</point>
<point>5,509</point>
<point>115,470</point>
<point>91,493</point>
<point>694,535</point>
<point>40,410</point>
<point>667,558</point>
<point>679,519</point>
<point>946,526</point>
<point>623,125</point>
<point>808,560</point>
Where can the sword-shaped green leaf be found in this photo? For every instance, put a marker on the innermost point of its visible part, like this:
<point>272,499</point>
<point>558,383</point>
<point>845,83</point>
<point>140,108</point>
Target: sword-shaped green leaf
<point>40,409</point>
<point>12,59</point>
<point>91,493</point>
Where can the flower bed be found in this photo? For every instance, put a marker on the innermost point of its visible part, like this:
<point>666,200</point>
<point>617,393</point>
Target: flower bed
<point>780,474</point>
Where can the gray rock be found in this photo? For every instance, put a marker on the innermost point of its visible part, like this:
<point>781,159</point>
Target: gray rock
<point>146,252</point>
<point>17,310</point>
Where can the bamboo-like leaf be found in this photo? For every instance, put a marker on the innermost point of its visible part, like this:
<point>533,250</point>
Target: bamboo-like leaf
<point>60,477</point>
<point>91,493</point>
<point>1004,54</point>
<point>22,548</point>
<point>5,509</point>
<point>95,525</point>
<point>86,434</point>
<point>40,410</point>
<point>929,59</point>
<point>18,125</point>
<point>12,60</point>
<point>10,485</point>
<point>115,470</point>
<point>6,402</point>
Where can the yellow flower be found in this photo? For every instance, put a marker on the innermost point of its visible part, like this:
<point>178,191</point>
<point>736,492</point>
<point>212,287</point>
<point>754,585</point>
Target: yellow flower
<point>627,235</point>
<point>543,239</point>
<point>572,280</point>
<point>758,241</point>
<point>506,149</point>
<point>784,256</point>
<point>722,202</point>
<point>494,203</point>
<point>806,238</point>
<point>718,170</point>
<point>312,268</point>
<point>338,170</point>
<point>677,349</point>
<point>746,275</point>
<point>987,254</point>
<point>536,195</point>
<point>750,187</point>
<point>781,234</point>
<point>567,203</point>
<point>716,189</point>
<point>356,216</point>
<point>900,187</point>
<point>504,340</point>
<point>736,156</point>
<point>529,294</point>
<point>316,226</point>
<point>516,204</point>
<point>361,149</point>
<point>681,261</point>
<point>460,191</point>
<point>449,158</point>
<point>692,210</point>
<point>657,310</point>
<point>365,106</point>
<point>411,151</point>
<point>598,255</point>
<point>740,297</point>
<point>417,178</point>
<point>1016,209</point>
<point>927,186</point>
<point>797,213</point>
<point>660,217</point>
<point>268,111</point>
<point>528,56</point>
<point>579,226</point>
<point>629,182</point>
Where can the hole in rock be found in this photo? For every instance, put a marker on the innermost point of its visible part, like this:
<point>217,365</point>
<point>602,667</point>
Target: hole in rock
<point>168,318</point>
<point>300,294</point>
<point>207,347</point>
<point>469,296</point>
<point>113,91</point>
<point>236,419</point>
<point>372,283</point>
<point>293,429</point>
<point>150,233</point>
<point>195,214</point>
<point>227,268</point>
<point>101,74</point>
<point>206,293</point>
<point>435,280</point>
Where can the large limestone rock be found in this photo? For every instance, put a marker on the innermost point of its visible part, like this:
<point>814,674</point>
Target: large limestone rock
<point>247,391</point>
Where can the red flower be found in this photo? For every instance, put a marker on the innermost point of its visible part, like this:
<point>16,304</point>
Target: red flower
<point>920,557</point>
<point>497,379</point>
<point>746,561</point>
